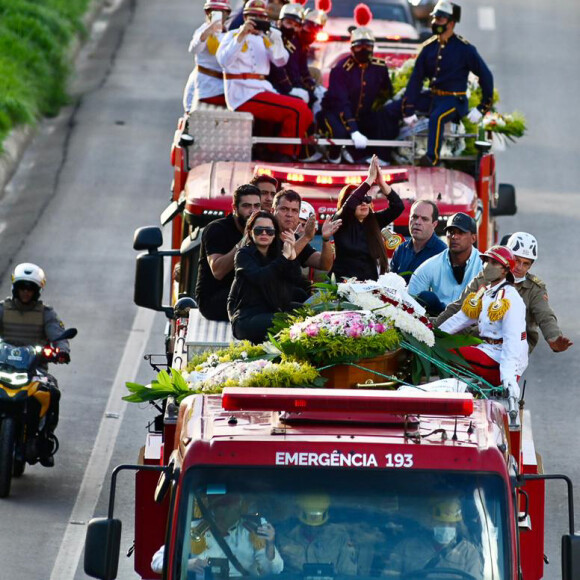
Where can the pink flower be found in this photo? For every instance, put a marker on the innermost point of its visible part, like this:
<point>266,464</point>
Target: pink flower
<point>380,328</point>
<point>311,330</point>
<point>353,332</point>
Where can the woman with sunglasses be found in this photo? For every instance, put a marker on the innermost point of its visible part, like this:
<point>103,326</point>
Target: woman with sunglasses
<point>359,245</point>
<point>266,276</point>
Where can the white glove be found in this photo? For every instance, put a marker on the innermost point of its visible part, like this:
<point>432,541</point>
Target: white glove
<point>474,115</point>
<point>411,120</point>
<point>319,92</point>
<point>275,35</point>
<point>512,388</point>
<point>359,140</point>
<point>301,94</point>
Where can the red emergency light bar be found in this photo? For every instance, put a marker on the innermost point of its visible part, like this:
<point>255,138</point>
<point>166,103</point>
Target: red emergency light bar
<point>312,177</point>
<point>346,400</point>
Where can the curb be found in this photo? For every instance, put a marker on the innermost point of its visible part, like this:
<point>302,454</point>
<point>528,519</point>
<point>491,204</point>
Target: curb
<point>19,138</point>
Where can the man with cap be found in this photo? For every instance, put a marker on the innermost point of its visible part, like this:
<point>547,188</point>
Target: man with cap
<point>245,56</point>
<point>206,83</point>
<point>442,278</point>
<point>353,106</point>
<point>539,314</point>
<point>446,60</point>
<point>500,315</point>
<point>423,243</point>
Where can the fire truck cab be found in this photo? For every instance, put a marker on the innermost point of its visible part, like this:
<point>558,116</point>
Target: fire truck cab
<point>356,484</point>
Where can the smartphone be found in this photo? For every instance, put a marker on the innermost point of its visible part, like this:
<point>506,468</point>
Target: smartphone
<point>262,25</point>
<point>252,522</point>
<point>216,17</point>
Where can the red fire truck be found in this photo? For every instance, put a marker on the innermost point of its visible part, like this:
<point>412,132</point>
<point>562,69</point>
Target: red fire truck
<point>362,475</point>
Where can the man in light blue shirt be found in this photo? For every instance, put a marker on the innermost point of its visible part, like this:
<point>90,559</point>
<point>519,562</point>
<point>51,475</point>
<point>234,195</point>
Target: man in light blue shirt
<point>441,279</point>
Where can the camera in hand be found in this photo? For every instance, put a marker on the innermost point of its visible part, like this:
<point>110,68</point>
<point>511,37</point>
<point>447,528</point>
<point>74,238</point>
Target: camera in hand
<point>262,25</point>
<point>217,569</point>
<point>252,522</point>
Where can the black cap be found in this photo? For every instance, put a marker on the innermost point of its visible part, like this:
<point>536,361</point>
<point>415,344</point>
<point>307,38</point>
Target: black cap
<point>462,222</point>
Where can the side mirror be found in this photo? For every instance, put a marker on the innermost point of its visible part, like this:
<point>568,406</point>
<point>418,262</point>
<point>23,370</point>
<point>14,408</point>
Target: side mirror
<point>570,557</point>
<point>148,291</point>
<point>147,238</point>
<point>506,200</point>
<point>102,546</point>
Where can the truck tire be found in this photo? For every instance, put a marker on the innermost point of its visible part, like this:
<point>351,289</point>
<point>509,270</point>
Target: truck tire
<point>7,437</point>
<point>506,200</point>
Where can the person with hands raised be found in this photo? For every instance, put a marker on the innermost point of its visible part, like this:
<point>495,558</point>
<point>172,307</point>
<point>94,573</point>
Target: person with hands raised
<point>266,276</point>
<point>359,246</point>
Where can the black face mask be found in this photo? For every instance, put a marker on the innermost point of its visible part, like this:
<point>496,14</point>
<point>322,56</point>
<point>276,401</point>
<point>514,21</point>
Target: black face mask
<point>363,56</point>
<point>438,28</point>
<point>287,33</point>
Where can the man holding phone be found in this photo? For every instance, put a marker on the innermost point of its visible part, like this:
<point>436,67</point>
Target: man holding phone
<point>245,56</point>
<point>206,83</point>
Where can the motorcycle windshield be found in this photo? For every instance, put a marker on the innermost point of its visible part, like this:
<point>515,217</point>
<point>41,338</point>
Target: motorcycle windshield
<point>17,358</point>
<point>332,525</point>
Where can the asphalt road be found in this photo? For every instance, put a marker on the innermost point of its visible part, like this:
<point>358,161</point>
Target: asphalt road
<point>101,169</point>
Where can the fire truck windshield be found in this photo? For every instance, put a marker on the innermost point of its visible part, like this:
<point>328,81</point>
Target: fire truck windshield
<point>317,524</point>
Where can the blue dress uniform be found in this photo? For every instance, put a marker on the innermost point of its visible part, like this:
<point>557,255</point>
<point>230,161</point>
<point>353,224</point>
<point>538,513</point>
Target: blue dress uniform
<point>291,75</point>
<point>355,101</point>
<point>447,66</point>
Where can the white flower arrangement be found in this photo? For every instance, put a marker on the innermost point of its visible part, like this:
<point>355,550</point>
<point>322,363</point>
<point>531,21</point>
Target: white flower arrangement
<point>388,297</point>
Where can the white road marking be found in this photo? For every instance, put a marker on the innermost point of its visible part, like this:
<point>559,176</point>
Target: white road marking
<point>97,469</point>
<point>486,17</point>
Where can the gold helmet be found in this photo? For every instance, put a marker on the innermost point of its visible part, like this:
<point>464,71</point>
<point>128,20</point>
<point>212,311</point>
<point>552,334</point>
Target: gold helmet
<point>313,509</point>
<point>317,17</point>
<point>362,35</point>
<point>256,8</point>
<point>292,11</point>
<point>447,510</point>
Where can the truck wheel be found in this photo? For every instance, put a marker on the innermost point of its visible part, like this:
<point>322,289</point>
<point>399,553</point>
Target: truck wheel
<point>506,200</point>
<point>7,435</point>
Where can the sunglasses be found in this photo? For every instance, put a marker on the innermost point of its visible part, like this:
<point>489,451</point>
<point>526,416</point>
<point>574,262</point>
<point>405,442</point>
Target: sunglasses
<point>259,230</point>
<point>367,199</point>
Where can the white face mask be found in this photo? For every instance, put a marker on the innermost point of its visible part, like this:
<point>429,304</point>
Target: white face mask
<point>519,280</point>
<point>444,534</point>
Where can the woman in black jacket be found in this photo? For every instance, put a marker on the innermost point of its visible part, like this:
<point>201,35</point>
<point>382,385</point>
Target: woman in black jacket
<point>359,245</point>
<point>266,275</point>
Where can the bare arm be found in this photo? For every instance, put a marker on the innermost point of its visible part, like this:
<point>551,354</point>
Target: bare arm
<point>222,264</point>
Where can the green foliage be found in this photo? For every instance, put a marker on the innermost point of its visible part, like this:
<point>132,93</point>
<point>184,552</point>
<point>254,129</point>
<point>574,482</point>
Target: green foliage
<point>164,386</point>
<point>34,40</point>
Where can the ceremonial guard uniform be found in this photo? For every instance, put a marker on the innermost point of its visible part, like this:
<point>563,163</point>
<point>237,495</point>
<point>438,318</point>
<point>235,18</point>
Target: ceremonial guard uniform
<point>206,83</point>
<point>500,314</point>
<point>246,65</point>
<point>353,104</point>
<point>446,62</point>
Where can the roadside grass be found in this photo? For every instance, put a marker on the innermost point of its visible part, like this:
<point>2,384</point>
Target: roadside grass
<point>35,36</point>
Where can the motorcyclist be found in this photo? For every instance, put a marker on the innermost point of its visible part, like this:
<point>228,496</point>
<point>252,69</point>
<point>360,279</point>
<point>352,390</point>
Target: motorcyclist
<point>26,320</point>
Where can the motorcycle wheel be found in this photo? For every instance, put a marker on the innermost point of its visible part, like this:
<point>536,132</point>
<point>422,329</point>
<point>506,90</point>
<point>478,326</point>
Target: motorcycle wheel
<point>7,435</point>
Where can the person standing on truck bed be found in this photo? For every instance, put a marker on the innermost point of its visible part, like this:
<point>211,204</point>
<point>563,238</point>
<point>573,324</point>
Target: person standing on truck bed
<point>206,83</point>
<point>245,55</point>
<point>441,279</point>
<point>249,539</point>
<point>359,246</point>
<point>423,243</point>
<point>539,314</point>
<point>268,187</point>
<point>500,315</point>
<point>353,106</point>
<point>267,277</point>
<point>446,60</point>
<point>219,243</point>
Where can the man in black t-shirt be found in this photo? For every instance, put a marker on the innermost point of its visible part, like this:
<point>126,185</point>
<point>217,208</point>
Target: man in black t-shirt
<point>219,242</point>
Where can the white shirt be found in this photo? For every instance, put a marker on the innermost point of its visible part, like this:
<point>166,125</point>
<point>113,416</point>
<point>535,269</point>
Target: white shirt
<point>240,542</point>
<point>199,85</point>
<point>512,353</point>
<point>253,55</point>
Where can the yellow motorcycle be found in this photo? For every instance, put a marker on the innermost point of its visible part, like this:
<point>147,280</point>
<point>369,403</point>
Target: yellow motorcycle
<point>24,403</point>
